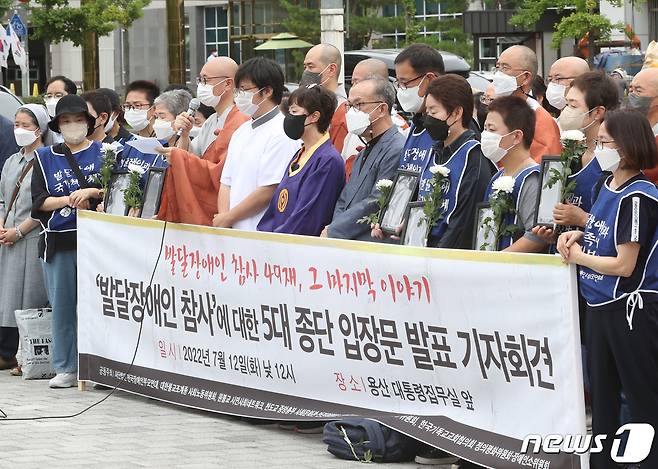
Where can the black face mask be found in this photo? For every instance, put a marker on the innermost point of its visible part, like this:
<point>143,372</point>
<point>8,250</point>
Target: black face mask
<point>437,128</point>
<point>309,78</point>
<point>293,126</point>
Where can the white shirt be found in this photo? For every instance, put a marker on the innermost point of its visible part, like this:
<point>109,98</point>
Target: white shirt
<point>206,136</point>
<point>258,155</point>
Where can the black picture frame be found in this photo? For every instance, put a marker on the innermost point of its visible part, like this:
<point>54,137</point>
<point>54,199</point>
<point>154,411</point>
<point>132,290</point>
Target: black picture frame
<point>547,198</point>
<point>480,236</point>
<point>416,230</point>
<point>113,202</point>
<point>405,187</point>
<point>152,195</point>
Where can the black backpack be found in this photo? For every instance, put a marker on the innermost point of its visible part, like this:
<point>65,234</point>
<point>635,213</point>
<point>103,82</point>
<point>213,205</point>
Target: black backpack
<point>359,439</point>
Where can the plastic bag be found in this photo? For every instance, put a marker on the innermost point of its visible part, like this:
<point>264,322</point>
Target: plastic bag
<point>35,330</point>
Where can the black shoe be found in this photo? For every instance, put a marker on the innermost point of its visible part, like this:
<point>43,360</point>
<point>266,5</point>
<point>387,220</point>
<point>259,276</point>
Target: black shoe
<point>434,456</point>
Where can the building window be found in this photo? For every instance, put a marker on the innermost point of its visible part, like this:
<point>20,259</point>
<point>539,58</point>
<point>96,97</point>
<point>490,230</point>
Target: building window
<point>489,52</point>
<point>216,30</point>
<point>432,13</point>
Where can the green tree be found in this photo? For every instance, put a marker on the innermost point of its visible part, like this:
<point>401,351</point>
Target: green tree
<point>56,21</point>
<point>5,5</point>
<point>583,18</point>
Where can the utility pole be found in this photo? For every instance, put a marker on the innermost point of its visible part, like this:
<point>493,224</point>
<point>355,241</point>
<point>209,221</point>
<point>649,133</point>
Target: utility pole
<point>176,41</point>
<point>332,30</point>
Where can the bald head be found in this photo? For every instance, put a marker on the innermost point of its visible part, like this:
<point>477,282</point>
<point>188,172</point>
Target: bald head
<point>219,67</point>
<point>322,55</point>
<point>369,68</point>
<point>567,69</point>
<point>220,73</point>
<point>521,58</point>
<point>645,83</point>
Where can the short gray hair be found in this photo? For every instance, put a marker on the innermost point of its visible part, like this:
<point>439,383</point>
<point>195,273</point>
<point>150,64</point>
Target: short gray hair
<point>176,101</point>
<point>382,91</point>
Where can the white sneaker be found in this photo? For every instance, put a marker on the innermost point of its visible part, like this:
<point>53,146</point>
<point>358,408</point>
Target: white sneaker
<point>64,380</point>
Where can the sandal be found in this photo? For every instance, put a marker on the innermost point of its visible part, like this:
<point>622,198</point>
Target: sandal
<point>16,371</point>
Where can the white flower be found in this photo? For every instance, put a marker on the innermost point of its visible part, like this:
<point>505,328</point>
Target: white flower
<point>384,183</point>
<point>503,184</point>
<point>107,147</point>
<point>135,168</point>
<point>572,135</point>
<point>440,169</point>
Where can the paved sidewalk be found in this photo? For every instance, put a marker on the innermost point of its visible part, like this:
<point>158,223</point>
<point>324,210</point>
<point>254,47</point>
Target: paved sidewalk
<point>129,431</point>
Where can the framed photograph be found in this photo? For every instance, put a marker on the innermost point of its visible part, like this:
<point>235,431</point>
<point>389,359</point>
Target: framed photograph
<point>403,192</point>
<point>484,237</point>
<point>416,229</point>
<point>113,202</point>
<point>152,192</point>
<point>547,197</point>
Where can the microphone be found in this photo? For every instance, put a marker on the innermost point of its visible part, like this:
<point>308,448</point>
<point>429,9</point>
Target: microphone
<point>193,107</point>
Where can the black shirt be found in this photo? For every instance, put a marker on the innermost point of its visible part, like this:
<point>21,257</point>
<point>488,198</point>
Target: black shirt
<point>369,146</point>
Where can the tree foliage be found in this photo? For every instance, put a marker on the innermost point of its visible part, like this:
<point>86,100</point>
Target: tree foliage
<point>583,18</point>
<point>5,5</point>
<point>56,20</point>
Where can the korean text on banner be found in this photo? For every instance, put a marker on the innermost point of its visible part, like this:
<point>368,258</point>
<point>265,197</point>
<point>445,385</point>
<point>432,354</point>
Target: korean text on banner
<point>467,351</point>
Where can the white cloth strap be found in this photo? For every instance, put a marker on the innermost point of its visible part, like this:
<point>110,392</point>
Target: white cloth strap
<point>634,299</point>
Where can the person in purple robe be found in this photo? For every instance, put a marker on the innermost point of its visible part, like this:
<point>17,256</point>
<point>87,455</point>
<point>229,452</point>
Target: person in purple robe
<point>304,201</point>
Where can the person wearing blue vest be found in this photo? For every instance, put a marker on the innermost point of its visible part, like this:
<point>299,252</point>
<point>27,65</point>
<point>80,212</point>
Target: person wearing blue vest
<point>304,201</point>
<point>64,181</point>
<point>449,108</point>
<point>415,67</point>
<point>591,95</point>
<point>506,141</point>
<point>617,257</point>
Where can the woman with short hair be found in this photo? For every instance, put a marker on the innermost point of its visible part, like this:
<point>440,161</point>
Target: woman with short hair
<point>304,201</point>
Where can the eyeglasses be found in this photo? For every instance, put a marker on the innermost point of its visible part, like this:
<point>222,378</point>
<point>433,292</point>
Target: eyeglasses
<point>357,106</point>
<point>53,95</point>
<point>237,91</point>
<point>598,143</point>
<point>559,80</point>
<point>506,69</point>
<point>141,107</point>
<point>486,100</point>
<point>403,85</point>
<point>204,80</point>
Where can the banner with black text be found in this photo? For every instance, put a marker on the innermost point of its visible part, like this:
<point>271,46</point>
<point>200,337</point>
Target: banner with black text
<point>466,351</point>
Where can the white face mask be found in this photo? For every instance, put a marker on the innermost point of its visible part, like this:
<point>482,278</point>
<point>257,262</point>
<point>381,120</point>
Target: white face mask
<point>163,129</point>
<point>205,93</point>
<point>137,119</point>
<point>74,132</point>
<point>51,104</point>
<point>110,123</point>
<point>409,99</point>
<point>555,94</point>
<point>357,121</point>
<point>490,146</point>
<point>195,131</point>
<point>243,101</point>
<point>655,130</point>
<point>608,158</point>
<point>24,137</point>
<point>505,85</point>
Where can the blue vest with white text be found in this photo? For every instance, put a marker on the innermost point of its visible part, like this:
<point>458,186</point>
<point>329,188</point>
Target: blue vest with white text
<point>585,179</point>
<point>512,219</point>
<point>417,150</point>
<point>132,156</point>
<point>457,165</point>
<point>599,239</point>
<point>61,181</point>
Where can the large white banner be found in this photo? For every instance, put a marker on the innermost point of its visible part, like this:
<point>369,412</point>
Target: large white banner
<point>468,351</point>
